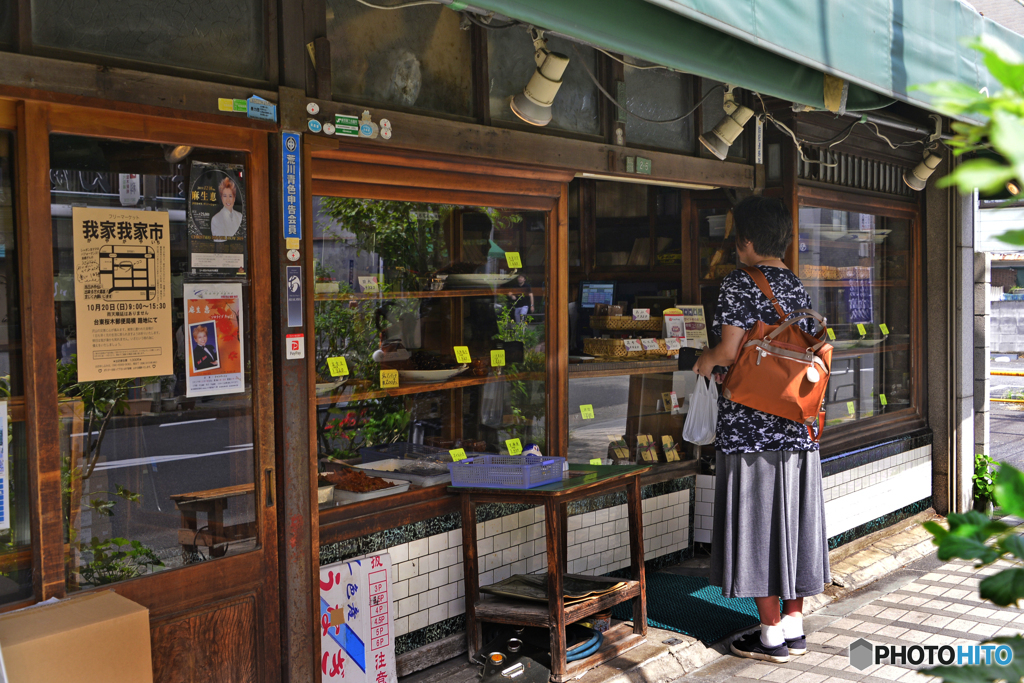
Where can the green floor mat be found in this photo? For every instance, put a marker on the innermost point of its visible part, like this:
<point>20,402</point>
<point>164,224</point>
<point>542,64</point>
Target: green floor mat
<point>688,604</point>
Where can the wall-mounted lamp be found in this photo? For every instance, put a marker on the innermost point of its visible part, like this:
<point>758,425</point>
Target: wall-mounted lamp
<point>533,105</point>
<point>719,139</point>
<point>176,153</point>
<point>917,178</point>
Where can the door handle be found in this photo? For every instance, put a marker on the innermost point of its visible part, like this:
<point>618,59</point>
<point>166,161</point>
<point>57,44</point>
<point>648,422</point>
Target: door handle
<point>268,478</point>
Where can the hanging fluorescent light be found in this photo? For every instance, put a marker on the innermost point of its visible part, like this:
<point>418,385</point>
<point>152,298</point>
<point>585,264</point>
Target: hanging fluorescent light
<point>719,139</point>
<point>533,105</point>
<point>917,178</point>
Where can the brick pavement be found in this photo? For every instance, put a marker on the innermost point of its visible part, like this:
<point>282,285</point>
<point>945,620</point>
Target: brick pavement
<point>928,602</point>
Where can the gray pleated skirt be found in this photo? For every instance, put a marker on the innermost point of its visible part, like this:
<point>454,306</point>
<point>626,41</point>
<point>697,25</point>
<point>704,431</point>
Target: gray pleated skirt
<point>769,526</point>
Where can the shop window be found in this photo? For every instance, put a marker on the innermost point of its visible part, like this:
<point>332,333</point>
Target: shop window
<point>217,37</point>
<point>403,289</point>
<point>637,226</point>
<point>856,268</point>
<point>7,26</point>
<point>153,357</point>
<point>510,64</point>
<point>413,58</point>
<point>15,530</point>
<point>658,95</point>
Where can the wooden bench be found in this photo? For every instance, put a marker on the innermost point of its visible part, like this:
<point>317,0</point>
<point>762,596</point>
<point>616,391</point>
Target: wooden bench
<point>214,535</point>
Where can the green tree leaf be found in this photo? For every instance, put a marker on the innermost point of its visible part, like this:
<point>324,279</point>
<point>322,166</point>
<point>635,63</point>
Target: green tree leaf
<point>1010,490</point>
<point>1004,588</point>
<point>985,174</point>
<point>1012,544</point>
<point>966,548</point>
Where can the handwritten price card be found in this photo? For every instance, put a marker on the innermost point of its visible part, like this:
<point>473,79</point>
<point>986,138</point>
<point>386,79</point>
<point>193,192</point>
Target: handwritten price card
<point>851,407</point>
<point>672,344</point>
<point>860,329</point>
<point>369,283</point>
<point>632,345</point>
<point>497,358</point>
<point>458,454</point>
<point>587,412</point>
<point>462,355</point>
<point>513,260</point>
<point>883,399</point>
<point>389,379</point>
<point>514,446</point>
<point>641,314</point>
<point>338,366</point>
<point>831,334</point>
<point>884,328</point>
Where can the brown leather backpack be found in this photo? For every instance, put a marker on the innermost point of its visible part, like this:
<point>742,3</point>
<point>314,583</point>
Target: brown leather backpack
<point>781,370</point>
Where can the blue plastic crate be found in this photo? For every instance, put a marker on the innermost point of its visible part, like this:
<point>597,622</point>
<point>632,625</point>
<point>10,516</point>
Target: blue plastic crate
<point>506,471</point>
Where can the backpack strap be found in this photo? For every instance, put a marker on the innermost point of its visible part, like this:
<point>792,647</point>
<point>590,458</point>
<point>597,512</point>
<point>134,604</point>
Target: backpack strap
<point>762,283</point>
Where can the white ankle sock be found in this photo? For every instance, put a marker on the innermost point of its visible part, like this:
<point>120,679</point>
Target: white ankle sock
<point>792,625</point>
<point>771,636</point>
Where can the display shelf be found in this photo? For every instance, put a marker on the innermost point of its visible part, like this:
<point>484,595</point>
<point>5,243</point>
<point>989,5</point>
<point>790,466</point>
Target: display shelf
<point>865,350</point>
<point>525,613</point>
<point>847,283</point>
<point>424,388</point>
<point>439,294</point>
<point>615,368</point>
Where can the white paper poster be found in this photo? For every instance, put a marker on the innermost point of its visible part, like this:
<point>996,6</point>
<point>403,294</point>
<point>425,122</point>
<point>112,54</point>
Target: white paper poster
<point>356,613</point>
<point>213,334</point>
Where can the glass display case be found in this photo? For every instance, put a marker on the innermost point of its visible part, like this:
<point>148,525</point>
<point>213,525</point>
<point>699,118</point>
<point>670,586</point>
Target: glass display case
<point>637,228</point>
<point>855,267</point>
<point>438,311</point>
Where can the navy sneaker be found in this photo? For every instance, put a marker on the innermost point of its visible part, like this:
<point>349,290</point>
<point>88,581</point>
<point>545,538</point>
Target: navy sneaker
<point>751,646</point>
<point>797,646</point>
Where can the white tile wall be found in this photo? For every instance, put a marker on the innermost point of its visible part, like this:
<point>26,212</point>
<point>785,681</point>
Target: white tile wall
<point>852,497</point>
<point>429,571</point>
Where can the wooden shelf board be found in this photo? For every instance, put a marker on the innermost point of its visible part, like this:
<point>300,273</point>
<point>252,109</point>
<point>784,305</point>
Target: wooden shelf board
<point>617,640</point>
<point>865,350</point>
<point>522,612</point>
<point>426,387</point>
<point>440,294</point>
<point>612,368</point>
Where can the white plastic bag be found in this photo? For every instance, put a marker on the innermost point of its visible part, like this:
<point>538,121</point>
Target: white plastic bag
<point>699,427</point>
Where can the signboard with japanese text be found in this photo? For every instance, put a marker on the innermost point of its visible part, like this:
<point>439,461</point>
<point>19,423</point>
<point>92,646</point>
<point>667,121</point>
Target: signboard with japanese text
<point>357,642</point>
<point>213,336</point>
<point>291,184</point>
<point>216,220</point>
<point>122,293</point>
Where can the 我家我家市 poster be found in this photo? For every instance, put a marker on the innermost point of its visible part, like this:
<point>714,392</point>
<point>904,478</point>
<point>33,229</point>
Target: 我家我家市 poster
<point>122,293</point>
<point>216,220</point>
<point>213,337</point>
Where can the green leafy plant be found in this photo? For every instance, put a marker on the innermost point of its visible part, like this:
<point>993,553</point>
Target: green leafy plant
<point>974,536</point>
<point>116,559</point>
<point>983,478</point>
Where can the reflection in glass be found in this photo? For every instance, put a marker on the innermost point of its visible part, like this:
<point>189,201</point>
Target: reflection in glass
<point>855,267</point>
<point>658,95</point>
<point>151,478</point>
<point>15,541</point>
<point>510,64</point>
<point>223,37</point>
<point>400,285</point>
<point>414,58</point>
<point>637,225</point>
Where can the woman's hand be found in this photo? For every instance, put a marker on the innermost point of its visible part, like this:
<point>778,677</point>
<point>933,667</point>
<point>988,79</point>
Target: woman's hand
<point>724,354</point>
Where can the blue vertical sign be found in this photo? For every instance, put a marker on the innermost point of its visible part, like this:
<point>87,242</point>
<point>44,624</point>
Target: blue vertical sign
<point>291,175</point>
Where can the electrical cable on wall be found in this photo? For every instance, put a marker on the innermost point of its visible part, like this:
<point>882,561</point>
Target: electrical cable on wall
<point>403,6</point>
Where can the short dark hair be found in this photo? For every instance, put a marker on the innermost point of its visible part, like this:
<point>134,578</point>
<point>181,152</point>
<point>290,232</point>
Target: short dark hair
<point>765,223</point>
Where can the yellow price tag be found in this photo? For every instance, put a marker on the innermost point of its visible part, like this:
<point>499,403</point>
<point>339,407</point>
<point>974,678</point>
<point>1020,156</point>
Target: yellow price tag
<point>831,334</point>
<point>513,260</point>
<point>860,329</point>
<point>458,454</point>
<point>462,355</point>
<point>514,446</point>
<point>595,461</point>
<point>587,412</point>
<point>884,328</point>
<point>851,407</point>
<point>225,104</point>
<point>883,399</point>
<point>338,366</point>
<point>389,379</point>
<point>497,358</point>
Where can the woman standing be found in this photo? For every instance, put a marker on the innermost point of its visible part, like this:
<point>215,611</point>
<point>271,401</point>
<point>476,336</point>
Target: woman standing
<point>769,535</point>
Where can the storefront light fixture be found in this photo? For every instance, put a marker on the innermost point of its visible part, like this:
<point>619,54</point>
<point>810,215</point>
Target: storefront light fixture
<point>533,105</point>
<point>1013,188</point>
<point>719,139</point>
<point>176,153</point>
<point>917,178</point>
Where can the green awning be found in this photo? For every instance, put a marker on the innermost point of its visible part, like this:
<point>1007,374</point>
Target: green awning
<point>644,30</point>
<point>783,47</point>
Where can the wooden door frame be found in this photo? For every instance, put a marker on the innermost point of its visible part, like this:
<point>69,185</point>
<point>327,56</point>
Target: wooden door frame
<point>222,580</point>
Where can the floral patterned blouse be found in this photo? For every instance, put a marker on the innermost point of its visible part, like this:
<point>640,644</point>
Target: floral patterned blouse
<point>741,303</point>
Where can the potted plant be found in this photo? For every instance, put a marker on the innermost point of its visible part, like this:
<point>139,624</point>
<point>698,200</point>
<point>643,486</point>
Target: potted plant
<point>984,483</point>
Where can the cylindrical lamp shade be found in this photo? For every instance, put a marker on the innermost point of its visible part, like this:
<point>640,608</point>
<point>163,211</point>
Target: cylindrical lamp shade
<point>533,105</point>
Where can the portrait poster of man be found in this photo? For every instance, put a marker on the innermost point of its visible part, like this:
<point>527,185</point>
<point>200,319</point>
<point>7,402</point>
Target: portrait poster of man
<point>213,337</point>
<point>217,226</point>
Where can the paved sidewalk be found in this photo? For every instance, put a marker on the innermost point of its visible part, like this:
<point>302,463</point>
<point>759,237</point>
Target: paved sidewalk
<point>928,602</point>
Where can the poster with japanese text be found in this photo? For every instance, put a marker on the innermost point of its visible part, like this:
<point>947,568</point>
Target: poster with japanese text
<point>213,336</point>
<point>696,325</point>
<point>122,293</point>
<point>356,614</point>
<point>216,219</point>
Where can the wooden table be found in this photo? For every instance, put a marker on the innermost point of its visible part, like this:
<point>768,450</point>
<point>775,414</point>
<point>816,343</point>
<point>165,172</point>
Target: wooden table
<point>585,481</point>
<point>212,502</point>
